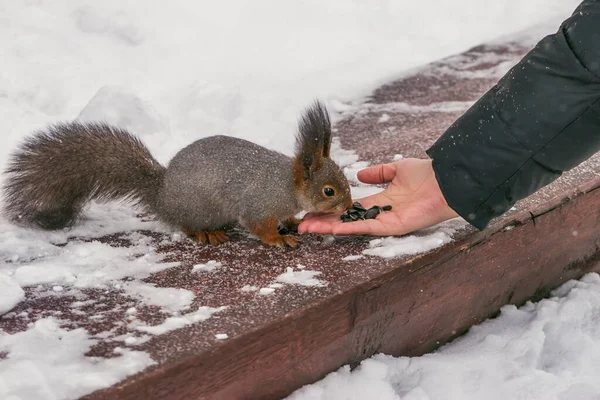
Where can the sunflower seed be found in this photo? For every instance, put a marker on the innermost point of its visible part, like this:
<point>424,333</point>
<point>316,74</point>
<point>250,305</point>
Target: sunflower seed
<point>357,211</point>
<point>357,206</point>
<point>372,212</point>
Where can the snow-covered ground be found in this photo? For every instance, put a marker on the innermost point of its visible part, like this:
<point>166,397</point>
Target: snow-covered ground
<point>178,71</point>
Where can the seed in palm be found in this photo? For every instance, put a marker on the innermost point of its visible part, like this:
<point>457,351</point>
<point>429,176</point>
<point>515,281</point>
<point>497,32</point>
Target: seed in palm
<point>358,212</point>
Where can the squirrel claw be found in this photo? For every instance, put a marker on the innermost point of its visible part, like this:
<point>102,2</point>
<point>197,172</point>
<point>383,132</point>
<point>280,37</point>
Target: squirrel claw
<point>289,240</point>
<point>217,237</point>
<point>281,241</point>
<point>208,237</point>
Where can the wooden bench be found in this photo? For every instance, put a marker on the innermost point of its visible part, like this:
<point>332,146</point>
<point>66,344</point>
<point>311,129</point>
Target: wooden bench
<point>407,305</point>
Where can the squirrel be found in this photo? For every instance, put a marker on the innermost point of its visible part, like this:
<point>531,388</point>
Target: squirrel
<point>207,186</point>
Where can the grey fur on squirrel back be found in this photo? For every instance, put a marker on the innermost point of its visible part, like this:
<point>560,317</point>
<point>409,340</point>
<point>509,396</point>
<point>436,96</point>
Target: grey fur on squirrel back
<point>258,185</point>
<point>211,183</point>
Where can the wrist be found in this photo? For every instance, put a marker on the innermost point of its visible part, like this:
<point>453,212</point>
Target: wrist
<point>441,204</point>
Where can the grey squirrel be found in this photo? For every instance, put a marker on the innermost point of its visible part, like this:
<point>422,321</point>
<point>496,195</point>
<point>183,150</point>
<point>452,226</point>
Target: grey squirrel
<point>210,184</point>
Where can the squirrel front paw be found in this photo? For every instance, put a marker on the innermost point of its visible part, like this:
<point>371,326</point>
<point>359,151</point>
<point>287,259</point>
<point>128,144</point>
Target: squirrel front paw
<point>289,225</point>
<point>267,232</point>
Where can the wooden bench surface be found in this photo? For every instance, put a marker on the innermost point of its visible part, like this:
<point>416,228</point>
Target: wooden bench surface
<point>407,305</point>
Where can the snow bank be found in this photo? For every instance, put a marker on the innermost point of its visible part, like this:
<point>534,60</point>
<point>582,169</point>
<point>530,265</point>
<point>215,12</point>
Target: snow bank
<point>49,362</point>
<point>174,74</point>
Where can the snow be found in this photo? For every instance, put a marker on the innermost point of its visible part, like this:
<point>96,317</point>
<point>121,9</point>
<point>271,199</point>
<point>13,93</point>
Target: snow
<point>545,350</point>
<point>444,106</point>
<point>425,240</point>
<point>384,118</point>
<point>175,74</point>
<point>49,362</point>
<point>89,265</point>
<point>202,314</point>
<point>276,285</point>
<point>302,277</point>
<point>122,108</point>
<point>11,293</point>
<point>266,291</point>
<point>209,266</point>
<point>170,299</point>
<point>353,257</point>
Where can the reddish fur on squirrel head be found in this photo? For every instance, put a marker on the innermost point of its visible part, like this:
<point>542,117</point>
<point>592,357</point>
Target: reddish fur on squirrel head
<point>321,182</point>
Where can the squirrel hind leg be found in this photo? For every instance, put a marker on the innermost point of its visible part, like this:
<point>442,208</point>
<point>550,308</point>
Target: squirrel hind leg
<point>208,237</point>
<point>56,219</point>
<point>268,233</point>
<point>52,219</point>
<point>42,206</point>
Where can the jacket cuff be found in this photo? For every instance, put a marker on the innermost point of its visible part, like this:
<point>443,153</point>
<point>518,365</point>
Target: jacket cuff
<point>482,170</point>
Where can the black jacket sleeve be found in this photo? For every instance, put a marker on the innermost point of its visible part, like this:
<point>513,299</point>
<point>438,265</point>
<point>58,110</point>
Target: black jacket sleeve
<point>542,118</point>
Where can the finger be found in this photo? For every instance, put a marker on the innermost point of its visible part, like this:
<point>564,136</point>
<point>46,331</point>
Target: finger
<point>322,222</point>
<point>309,216</point>
<point>361,227</point>
<point>313,215</point>
<point>386,224</point>
<point>381,173</point>
<point>316,226</point>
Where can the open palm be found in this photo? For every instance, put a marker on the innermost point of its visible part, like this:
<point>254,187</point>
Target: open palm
<point>413,192</point>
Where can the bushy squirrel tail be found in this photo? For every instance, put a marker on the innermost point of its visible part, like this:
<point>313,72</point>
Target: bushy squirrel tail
<point>54,173</point>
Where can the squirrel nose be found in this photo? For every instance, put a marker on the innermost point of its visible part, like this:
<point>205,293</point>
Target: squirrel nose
<point>345,205</point>
<point>348,203</point>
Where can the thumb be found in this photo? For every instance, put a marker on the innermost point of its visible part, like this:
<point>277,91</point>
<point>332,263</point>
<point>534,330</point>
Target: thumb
<point>382,173</point>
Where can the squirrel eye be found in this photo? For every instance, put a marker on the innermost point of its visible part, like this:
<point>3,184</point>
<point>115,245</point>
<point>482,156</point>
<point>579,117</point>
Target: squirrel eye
<point>328,191</point>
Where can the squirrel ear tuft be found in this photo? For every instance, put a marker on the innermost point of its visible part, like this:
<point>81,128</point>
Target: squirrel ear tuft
<point>308,165</point>
<point>313,142</point>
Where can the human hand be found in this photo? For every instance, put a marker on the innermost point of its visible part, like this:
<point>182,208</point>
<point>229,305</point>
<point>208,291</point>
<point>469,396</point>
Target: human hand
<point>413,192</point>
